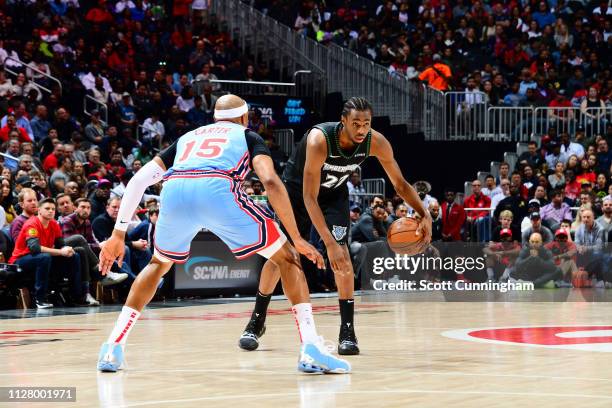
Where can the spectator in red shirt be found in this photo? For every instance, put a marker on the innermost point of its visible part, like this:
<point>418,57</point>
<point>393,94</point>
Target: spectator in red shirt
<point>453,217</point>
<point>478,220</point>
<point>99,14</point>
<point>40,249</point>
<point>564,255</point>
<point>501,255</point>
<point>11,124</point>
<point>50,163</point>
<point>564,116</point>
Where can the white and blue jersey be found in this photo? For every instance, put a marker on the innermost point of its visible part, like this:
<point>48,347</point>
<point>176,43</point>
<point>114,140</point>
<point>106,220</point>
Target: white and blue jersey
<point>202,190</point>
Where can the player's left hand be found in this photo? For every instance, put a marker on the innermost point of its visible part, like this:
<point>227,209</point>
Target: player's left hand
<point>309,252</point>
<point>112,249</point>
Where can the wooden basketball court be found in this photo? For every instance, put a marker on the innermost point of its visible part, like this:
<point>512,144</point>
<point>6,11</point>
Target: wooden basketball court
<point>429,353</point>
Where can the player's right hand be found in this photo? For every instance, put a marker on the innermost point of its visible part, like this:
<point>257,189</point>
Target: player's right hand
<point>338,258</point>
<point>111,249</point>
<point>310,252</point>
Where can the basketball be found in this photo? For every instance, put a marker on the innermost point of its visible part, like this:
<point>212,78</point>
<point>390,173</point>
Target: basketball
<point>403,238</point>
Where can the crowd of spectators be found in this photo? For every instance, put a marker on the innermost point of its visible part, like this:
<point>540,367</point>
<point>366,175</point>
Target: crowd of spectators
<point>503,47</point>
<point>144,70</point>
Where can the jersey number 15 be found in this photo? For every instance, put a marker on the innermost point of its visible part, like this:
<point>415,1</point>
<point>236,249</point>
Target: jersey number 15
<point>209,149</point>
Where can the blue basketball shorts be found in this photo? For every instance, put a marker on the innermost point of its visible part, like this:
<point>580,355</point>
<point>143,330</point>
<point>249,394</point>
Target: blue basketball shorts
<point>196,199</point>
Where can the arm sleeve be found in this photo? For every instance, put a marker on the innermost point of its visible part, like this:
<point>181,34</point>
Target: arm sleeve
<point>33,245</point>
<point>256,144</point>
<point>150,174</point>
<point>167,155</point>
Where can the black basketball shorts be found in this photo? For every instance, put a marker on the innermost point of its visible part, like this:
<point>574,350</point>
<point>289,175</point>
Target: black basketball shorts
<point>335,210</point>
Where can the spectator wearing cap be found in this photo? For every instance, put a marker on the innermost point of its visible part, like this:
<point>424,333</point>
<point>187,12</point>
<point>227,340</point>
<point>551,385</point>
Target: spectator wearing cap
<point>501,255</point>
<point>532,207</point>
<point>605,220</point>
<point>422,188</point>
<point>99,197</point>
<point>40,248</point>
<point>28,201</point>
<point>564,255</point>
<point>438,75</point>
<point>355,212</point>
<point>535,264</point>
<point>555,155</point>
<point>537,227</point>
<point>453,217</point>
<point>478,220</point>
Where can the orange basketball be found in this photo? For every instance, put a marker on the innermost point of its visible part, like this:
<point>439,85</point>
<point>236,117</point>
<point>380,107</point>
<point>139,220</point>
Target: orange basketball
<point>402,237</point>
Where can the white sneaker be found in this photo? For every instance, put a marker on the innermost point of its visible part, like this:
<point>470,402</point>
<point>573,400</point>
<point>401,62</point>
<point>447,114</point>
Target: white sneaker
<point>113,278</point>
<point>91,301</point>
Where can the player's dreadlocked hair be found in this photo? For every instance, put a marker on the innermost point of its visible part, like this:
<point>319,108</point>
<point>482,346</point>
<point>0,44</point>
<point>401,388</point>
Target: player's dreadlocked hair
<point>356,103</point>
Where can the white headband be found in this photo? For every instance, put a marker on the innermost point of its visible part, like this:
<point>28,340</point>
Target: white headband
<point>231,113</point>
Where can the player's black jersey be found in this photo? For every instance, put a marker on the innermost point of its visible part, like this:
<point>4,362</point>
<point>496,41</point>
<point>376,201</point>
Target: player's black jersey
<point>338,165</point>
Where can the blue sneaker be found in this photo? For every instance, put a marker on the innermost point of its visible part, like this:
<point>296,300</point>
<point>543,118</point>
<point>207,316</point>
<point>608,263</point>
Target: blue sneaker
<point>111,358</point>
<point>316,358</point>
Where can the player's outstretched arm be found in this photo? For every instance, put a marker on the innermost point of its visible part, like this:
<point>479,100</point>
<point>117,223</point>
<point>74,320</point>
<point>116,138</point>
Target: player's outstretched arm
<point>316,153</point>
<point>279,199</point>
<point>381,148</point>
<point>113,248</point>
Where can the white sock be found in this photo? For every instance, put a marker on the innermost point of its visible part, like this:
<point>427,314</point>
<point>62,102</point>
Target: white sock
<point>125,323</point>
<point>490,273</point>
<point>305,322</point>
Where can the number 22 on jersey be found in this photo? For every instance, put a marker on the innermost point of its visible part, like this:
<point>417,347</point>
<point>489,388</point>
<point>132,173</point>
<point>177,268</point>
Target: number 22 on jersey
<point>208,148</point>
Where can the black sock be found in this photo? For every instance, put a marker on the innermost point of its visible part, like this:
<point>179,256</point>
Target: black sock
<point>347,310</point>
<point>261,306</point>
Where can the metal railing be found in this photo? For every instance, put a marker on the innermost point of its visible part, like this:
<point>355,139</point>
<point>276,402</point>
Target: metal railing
<point>27,66</point>
<point>433,113</point>
<point>466,112</point>
<point>285,139</point>
<point>374,186</point>
<point>334,69</point>
<point>508,123</point>
<point>100,106</point>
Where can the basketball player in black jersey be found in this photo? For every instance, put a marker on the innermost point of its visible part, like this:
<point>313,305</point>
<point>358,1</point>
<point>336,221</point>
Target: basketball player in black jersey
<point>316,177</point>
